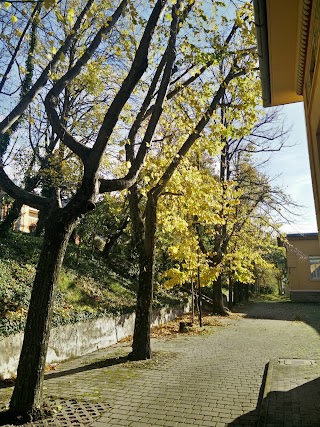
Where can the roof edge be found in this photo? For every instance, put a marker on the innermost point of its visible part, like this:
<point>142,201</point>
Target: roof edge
<point>261,23</point>
<point>303,35</point>
<point>302,236</point>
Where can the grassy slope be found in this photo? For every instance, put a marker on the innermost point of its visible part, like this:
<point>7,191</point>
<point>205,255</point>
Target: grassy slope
<point>87,289</point>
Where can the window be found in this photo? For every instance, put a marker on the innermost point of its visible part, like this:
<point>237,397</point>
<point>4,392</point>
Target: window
<point>314,267</point>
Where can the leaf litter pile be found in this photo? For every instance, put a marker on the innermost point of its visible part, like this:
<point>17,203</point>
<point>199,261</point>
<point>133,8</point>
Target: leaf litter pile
<point>171,329</point>
<point>209,321</point>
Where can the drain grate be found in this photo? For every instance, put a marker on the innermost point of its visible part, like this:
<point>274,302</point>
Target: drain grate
<point>72,412</point>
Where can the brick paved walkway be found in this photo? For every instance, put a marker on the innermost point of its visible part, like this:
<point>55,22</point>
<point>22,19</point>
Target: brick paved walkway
<point>209,380</point>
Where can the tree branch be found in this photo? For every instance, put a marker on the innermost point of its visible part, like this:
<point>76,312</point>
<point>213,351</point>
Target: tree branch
<point>52,97</point>
<point>157,189</point>
<point>10,119</point>
<point>18,193</point>
<point>191,79</point>
<point>65,137</point>
<point>138,67</point>
<point>169,53</point>
<point>16,50</point>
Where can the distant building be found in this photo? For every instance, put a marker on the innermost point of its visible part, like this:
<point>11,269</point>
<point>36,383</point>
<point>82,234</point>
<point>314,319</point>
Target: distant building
<point>27,220</point>
<point>303,261</point>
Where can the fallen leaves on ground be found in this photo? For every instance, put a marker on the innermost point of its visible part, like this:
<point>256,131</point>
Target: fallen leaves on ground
<point>172,328</point>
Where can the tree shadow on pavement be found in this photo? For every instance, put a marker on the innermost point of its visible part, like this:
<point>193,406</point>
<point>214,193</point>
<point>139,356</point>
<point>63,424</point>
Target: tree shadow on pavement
<point>7,383</point>
<point>247,420</point>
<point>61,373</point>
<point>95,365</point>
<point>307,312</point>
<point>250,419</point>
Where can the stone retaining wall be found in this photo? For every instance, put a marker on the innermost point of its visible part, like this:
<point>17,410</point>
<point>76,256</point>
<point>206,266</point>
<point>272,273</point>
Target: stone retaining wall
<point>81,338</point>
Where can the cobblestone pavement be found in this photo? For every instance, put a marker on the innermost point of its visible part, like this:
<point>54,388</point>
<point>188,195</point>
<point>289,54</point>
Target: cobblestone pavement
<point>207,380</point>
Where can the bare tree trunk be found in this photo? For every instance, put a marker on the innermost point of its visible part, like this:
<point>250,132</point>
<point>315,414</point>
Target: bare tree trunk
<point>279,282</point>
<point>218,307</point>
<point>26,399</point>
<point>141,347</point>
<point>114,237</point>
<point>199,299</point>
<point>241,293</point>
<point>246,292</point>
<point>230,293</point>
<point>42,216</point>
<point>193,298</point>
<point>236,296</point>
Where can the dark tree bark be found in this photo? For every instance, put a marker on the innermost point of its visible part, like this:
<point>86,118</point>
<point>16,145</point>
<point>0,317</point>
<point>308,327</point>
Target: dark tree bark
<point>144,232</point>
<point>199,299</point>
<point>26,401</point>
<point>218,307</point>
<point>27,395</point>
<point>237,297</point>
<point>235,293</point>
<point>141,348</point>
<point>114,237</point>
<point>241,295</point>
<point>42,216</point>
<point>230,293</point>
<point>246,292</point>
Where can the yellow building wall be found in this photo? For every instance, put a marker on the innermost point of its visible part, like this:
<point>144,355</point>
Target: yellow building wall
<point>299,273</point>
<point>282,56</point>
<point>27,220</point>
<point>311,94</point>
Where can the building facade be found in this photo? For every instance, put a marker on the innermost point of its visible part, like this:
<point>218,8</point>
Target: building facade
<point>303,262</point>
<point>27,220</point>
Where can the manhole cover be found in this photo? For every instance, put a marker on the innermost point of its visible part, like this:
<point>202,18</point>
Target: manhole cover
<point>297,362</point>
<point>72,412</point>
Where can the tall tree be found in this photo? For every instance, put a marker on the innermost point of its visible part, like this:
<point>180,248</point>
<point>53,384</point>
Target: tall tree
<point>236,166</point>
<point>229,60</point>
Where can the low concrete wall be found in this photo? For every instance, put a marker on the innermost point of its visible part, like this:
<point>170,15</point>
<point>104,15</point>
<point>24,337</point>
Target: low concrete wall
<point>81,338</point>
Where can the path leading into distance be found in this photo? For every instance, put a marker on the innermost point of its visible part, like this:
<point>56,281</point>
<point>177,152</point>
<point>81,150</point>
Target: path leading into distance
<point>205,380</point>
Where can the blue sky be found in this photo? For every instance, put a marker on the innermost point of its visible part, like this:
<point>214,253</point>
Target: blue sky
<point>290,167</point>
<point>291,170</point>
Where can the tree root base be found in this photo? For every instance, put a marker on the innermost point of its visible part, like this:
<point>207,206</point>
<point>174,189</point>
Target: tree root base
<point>136,357</point>
<point>12,418</point>
<point>221,312</point>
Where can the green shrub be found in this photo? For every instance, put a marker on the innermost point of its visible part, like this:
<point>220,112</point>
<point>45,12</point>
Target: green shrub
<point>88,288</point>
